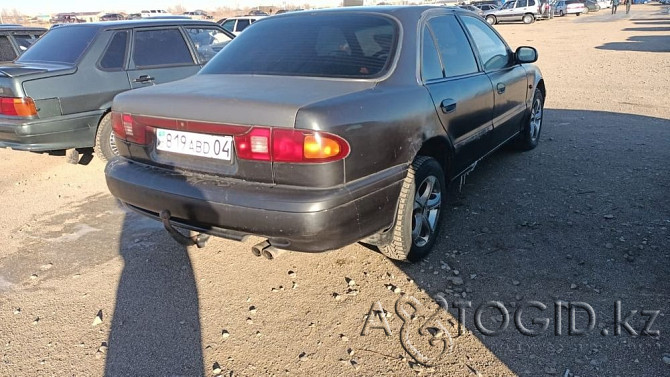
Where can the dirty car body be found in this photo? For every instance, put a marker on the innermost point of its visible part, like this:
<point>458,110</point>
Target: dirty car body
<point>305,129</point>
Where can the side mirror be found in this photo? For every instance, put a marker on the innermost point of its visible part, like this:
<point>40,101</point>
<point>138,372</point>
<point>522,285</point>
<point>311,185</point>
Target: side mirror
<point>526,54</point>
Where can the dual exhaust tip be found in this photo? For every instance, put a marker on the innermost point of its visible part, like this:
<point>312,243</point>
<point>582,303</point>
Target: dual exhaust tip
<point>265,249</point>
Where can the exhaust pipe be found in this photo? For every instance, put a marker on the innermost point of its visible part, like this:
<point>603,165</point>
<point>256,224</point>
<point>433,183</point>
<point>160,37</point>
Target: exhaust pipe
<point>272,252</point>
<point>257,249</point>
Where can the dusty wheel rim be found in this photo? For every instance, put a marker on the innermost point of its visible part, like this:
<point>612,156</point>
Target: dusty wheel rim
<point>427,202</point>
<point>535,119</point>
<point>490,20</point>
<point>112,144</point>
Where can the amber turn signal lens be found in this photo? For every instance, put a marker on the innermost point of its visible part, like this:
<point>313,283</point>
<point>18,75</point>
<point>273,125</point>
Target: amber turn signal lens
<point>318,147</point>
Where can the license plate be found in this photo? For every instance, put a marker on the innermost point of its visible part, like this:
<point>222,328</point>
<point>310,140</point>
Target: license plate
<point>195,144</point>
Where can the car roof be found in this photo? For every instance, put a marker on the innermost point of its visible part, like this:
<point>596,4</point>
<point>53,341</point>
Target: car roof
<point>11,27</point>
<point>122,24</point>
<point>399,11</point>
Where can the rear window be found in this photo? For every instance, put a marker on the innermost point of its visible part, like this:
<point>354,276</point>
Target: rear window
<point>64,44</point>
<point>329,45</point>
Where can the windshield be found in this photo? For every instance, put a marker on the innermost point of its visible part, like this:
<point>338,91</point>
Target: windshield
<point>64,44</point>
<point>327,45</point>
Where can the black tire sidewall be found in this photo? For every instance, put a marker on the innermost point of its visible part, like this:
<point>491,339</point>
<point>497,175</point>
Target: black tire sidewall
<point>103,148</point>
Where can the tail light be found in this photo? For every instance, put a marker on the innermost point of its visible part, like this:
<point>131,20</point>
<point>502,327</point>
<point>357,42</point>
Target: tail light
<point>127,127</point>
<point>22,106</point>
<point>283,145</point>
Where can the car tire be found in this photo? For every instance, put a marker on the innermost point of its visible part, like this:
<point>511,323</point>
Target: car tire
<point>105,144</point>
<point>491,20</point>
<point>416,226</point>
<point>528,19</point>
<point>560,13</point>
<point>577,14</point>
<point>530,134</point>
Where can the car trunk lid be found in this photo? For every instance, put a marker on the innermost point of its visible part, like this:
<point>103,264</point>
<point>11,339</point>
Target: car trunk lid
<point>225,106</point>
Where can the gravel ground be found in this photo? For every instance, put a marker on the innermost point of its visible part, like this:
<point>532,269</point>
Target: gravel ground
<point>577,225</point>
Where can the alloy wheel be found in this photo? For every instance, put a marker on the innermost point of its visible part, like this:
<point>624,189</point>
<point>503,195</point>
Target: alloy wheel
<point>427,202</point>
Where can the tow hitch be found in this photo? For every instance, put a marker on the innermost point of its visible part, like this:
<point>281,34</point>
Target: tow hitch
<point>199,240</point>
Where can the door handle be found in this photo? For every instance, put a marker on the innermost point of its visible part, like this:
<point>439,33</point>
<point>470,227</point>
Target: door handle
<point>144,79</point>
<point>501,88</point>
<point>448,105</point>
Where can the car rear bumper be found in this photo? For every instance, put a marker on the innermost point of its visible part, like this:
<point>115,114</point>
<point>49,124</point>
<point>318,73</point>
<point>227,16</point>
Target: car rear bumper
<point>292,218</point>
<point>62,132</point>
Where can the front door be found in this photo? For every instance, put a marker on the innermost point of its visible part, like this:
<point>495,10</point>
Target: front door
<point>461,93</point>
<point>508,79</point>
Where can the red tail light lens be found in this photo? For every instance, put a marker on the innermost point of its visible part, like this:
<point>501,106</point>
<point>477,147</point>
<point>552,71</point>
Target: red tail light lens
<point>290,146</point>
<point>127,127</point>
<point>22,106</point>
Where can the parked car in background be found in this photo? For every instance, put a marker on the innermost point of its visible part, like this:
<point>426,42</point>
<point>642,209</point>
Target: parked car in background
<point>59,92</point>
<point>526,11</point>
<point>66,19</point>
<point>15,40</point>
<point>236,25</point>
<point>472,8</point>
<point>591,6</point>
<point>487,7</point>
<point>494,3</point>
<point>112,17</point>
<point>316,129</point>
<point>198,15</point>
<point>575,7</point>
<point>134,16</point>
<point>604,4</point>
<point>154,13</point>
<point>560,8</point>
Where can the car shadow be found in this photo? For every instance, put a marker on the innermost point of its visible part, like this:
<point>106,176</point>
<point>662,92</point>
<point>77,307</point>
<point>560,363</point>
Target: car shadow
<point>640,43</point>
<point>652,28</point>
<point>155,326</point>
<point>579,222</point>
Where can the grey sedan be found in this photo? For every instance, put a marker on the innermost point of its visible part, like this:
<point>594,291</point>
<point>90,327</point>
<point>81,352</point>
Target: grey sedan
<point>318,129</point>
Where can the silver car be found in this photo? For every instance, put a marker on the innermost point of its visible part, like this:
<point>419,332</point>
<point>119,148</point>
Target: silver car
<point>515,10</point>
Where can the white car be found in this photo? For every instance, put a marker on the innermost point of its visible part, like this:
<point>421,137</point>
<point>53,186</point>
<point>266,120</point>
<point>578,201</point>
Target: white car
<point>154,13</point>
<point>575,7</point>
<point>235,25</point>
<point>604,4</point>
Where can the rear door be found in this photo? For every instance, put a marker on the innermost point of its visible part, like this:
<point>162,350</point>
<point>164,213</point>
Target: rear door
<point>160,55</point>
<point>508,78</point>
<point>461,92</point>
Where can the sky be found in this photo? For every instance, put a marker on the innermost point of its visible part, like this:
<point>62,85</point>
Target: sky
<point>35,7</point>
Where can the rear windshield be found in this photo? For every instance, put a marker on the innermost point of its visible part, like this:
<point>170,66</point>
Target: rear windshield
<point>327,45</point>
<point>63,44</point>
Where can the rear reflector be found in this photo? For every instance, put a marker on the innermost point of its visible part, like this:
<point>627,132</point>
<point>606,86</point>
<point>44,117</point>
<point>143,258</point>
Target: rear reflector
<point>127,127</point>
<point>22,107</point>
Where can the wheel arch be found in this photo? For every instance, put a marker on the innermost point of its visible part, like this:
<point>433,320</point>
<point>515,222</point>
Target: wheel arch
<point>441,149</point>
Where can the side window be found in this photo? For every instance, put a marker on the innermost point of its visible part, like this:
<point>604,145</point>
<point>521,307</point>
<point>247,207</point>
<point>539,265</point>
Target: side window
<point>6,50</point>
<point>431,68</point>
<point>457,56</point>
<point>521,3</point>
<point>115,54</point>
<point>492,50</point>
<point>531,3</point>
<point>242,24</point>
<point>207,42</point>
<point>160,47</point>
<point>229,25</point>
